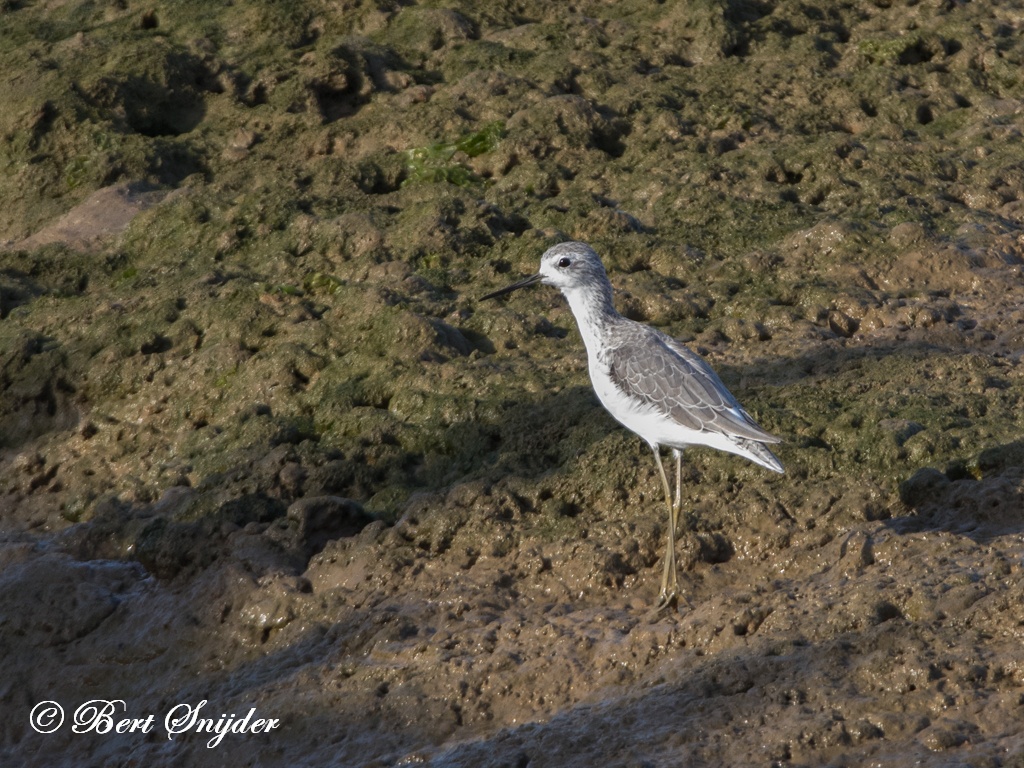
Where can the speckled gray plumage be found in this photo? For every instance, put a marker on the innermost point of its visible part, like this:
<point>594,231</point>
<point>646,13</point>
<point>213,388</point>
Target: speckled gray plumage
<point>654,368</point>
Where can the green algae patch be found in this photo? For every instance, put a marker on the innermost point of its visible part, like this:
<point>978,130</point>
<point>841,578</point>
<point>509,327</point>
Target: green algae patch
<point>439,162</point>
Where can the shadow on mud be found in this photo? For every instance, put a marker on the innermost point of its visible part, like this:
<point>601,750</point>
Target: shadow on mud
<point>37,389</point>
<point>981,500</point>
<point>182,534</point>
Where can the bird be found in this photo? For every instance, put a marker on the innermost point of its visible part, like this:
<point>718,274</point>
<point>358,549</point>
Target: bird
<point>650,383</point>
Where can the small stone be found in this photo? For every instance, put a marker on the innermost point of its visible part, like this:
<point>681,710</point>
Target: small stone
<point>923,485</point>
<point>842,324</point>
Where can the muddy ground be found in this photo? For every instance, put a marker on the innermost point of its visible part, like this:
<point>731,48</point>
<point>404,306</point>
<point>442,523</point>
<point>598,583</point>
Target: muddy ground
<point>260,445</point>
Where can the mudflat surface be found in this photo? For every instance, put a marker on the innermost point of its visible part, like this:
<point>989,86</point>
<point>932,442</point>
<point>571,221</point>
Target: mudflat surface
<point>262,447</point>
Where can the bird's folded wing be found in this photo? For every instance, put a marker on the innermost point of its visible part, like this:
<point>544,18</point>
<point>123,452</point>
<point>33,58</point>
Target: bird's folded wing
<point>678,383</point>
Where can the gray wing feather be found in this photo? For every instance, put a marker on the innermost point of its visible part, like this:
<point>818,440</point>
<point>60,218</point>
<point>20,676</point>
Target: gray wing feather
<point>670,377</point>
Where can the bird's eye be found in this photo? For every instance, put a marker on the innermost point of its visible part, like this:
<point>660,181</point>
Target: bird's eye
<point>564,262</point>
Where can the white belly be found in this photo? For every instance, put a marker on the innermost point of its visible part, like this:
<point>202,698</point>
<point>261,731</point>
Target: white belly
<point>655,427</point>
<point>645,420</point>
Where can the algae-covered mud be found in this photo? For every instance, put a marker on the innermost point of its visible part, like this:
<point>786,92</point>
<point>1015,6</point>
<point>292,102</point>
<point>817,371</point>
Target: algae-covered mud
<point>261,446</point>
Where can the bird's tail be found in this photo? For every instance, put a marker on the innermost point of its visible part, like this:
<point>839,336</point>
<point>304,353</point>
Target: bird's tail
<point>759,454</point>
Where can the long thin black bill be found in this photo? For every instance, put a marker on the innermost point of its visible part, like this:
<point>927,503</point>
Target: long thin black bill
<point>514,287</point>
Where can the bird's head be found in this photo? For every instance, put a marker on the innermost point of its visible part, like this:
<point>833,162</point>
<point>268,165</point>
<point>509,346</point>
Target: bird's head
<point>567,266</point>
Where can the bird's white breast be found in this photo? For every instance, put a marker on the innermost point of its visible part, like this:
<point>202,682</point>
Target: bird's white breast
<point>642,418</point>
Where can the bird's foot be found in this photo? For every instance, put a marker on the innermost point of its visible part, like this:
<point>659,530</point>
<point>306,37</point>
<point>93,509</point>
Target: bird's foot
<point>669,601</point>
<point>668,598</point>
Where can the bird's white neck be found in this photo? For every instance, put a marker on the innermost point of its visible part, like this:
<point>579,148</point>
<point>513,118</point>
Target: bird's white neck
<point>593,309</point>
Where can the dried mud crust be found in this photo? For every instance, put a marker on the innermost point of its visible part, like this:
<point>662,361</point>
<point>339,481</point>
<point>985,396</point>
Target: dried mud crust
<point>260,444</point>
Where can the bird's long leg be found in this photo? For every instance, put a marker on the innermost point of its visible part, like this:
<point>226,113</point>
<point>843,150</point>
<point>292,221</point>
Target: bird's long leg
<point>669,582</point>
<point>677,506</point>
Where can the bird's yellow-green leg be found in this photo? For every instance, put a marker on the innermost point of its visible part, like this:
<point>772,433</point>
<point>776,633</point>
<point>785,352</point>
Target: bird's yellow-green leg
<point>669,581</point>
<point>678,505</point>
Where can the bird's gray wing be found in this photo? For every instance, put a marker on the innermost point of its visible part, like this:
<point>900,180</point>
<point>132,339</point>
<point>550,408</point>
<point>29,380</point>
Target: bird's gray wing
<point>668,376</point>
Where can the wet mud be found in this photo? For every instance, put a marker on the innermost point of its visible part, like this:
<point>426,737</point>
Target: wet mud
<point>262,447</point>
